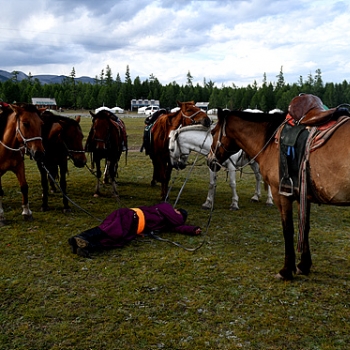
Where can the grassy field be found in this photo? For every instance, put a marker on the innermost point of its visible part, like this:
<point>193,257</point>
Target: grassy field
<point>154,295</point>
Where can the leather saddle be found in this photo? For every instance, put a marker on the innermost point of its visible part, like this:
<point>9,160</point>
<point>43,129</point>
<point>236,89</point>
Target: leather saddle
<point>309,110</point>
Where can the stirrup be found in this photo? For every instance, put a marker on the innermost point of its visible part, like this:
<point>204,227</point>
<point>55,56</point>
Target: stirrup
<point>286,184</point>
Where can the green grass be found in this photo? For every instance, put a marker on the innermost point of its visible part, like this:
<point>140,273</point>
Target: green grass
<point>154,295</point>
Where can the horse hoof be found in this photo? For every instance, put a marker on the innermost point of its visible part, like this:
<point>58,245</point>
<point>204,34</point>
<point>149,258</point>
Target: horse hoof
<point>234,208</point>
<point>44,209</point>
<point>67,210</point>
<point>28,217</point>
<point>279,277</point>
<point>96,195</point>
<point>205,207</point>
<point>3,223</point>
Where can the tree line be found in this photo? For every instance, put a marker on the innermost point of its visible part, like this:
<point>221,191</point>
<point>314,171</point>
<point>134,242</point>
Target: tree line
<point>114,92</point>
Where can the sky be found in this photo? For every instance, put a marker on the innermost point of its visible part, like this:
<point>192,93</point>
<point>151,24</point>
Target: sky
<point>226,42</point>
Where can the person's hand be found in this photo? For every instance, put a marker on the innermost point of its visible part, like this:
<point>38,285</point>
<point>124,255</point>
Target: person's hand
<point>198,231</point>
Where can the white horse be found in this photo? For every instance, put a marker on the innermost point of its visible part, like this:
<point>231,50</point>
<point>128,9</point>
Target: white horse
<point>199,139</point>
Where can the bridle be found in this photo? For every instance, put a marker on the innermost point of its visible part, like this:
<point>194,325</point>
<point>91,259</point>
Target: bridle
<point>24,140</point>
<point>192,115</point>
<point>222,133</point>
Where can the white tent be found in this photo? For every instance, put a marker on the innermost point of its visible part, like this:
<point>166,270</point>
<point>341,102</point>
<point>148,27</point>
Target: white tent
<point>117,110</point>
<point>103,108</point>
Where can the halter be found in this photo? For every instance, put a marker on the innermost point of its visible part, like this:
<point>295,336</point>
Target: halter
<point>191,116</point>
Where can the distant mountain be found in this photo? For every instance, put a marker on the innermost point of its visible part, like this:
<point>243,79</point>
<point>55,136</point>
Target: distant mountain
<point>43,78</point>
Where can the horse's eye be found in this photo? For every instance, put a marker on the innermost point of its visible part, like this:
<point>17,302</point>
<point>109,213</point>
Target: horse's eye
<point>26,124</point>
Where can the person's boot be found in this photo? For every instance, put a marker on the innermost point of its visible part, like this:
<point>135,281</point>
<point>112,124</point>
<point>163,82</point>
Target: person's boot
<point>86,242</point>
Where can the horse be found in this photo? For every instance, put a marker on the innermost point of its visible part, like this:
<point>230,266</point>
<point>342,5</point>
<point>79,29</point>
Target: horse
<point>107,140</point>
<point>158,148</point>
<point>63,140</point>
<point>199,139</point>
<point>20,134</point>
<point>326,173</point>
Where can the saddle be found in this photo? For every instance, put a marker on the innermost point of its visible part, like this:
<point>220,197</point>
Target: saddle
<point>307,114</point>
<point>309,110</point>
<point>147,136</point>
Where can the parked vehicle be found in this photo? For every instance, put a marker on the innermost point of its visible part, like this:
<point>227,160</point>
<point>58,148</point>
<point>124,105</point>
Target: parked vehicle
<point>151,109</point>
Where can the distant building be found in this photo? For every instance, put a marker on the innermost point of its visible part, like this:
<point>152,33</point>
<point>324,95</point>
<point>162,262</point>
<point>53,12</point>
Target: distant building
<point>44,102</point>
<point>137,103</point>
<point>202,105</point>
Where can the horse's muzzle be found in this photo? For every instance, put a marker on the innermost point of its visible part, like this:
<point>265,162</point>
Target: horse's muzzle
<point>79,163</point>
<point>38,156</point>
<point>213,163</point>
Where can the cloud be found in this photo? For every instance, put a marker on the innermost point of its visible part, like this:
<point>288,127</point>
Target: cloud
<point>224,41</point>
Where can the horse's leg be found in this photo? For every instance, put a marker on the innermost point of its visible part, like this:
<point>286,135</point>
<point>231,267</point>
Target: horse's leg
<point>2,213</point>
<point>45,188</point>
<point>107,172</point>
<point>232,182</point>
<point>211,191</point>
<point>53,169</point>
<point>269,200</point>
<point>257,194</point>
<point>304,266</point>
<point>63,184</point>
<point>98,176</point>
<point>155,169</point>
<point>26,212</point>
<point>285,206</point>
<point>113,174</point>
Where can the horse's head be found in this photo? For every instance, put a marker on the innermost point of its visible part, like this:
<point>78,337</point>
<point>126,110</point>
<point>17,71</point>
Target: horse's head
<point>193,115</point>
<point>222,147</point>
<point>177,158</point>
<point>72,138</point>
<point>28,129</point>
<point>100,129</point>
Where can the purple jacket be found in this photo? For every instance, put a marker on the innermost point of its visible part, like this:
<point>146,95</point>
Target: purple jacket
<point>121,225</point>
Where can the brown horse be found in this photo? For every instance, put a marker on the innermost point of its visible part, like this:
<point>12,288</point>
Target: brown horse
<point>159,148</point>
<point>20,134</point>
<point>327,173</point>
<point>107,140</point>
<point>63,140</point>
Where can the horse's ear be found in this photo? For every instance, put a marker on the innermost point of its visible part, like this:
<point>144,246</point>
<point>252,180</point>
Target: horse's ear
<point>179,103</point>
<point>220,113</point>
<point>77,118</point>
<point>92,114</point>
<point>41,110</point>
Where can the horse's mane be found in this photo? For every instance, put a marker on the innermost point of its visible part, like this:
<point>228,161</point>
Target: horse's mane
<point>27,107</point>
<point>195,127</point>
<point>273,120</point>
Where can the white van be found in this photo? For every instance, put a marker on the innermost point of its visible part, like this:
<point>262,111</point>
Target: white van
<point>151,109</point>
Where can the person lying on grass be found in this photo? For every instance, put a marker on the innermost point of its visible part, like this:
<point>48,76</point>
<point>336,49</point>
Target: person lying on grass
<point>126,224</point>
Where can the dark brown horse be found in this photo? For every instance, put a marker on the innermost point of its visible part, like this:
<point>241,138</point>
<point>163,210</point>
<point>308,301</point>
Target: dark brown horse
<point>106,140</point>
<point>159,147</point>
<point>63,140</point>
<point>20,134</point>
<point>327,173</point>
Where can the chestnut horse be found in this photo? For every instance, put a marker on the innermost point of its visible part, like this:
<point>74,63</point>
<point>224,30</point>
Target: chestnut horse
<point>327,173</point>
<point>159,147</point>
<point>197,138</point>
<point>106,140</point>
<point>20,134</point>
<point>63,140</point>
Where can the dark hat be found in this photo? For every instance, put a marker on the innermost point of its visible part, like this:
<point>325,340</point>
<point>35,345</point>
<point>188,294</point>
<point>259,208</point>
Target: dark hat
<point>183,213</point>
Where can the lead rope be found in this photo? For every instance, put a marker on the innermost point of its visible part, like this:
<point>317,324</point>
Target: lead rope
<point>205,234</point>
<point>75,204</point>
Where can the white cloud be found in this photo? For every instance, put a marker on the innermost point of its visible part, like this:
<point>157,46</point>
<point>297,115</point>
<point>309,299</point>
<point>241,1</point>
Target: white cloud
<point>223,41</point>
